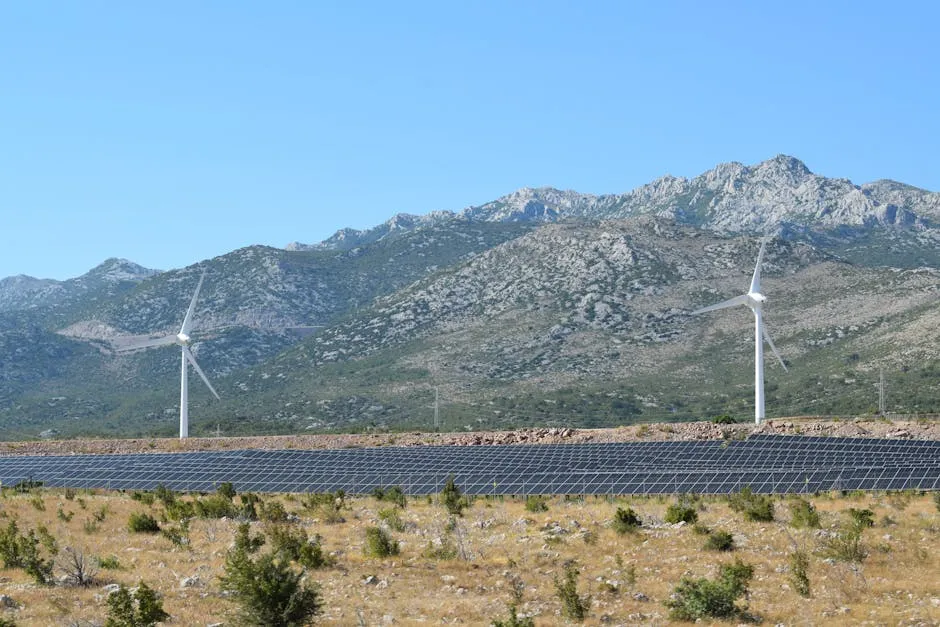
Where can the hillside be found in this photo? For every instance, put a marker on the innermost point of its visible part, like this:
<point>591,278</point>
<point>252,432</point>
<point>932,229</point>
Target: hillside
<point>541,308</point>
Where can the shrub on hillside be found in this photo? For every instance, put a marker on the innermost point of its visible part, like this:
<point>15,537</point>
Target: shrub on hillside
<point>695,599</point>
<point>268,591</point>
<point>720,541</point>
<point>452,498</point>
<point>626,520</point>
<point>803,514</point>
<point>379,543</point>
<point>536,504</point>
<point>142,608</point>
<point>681,511</point>
<point>573,606</point>
<point>755,507</point>
<point>140,522</point>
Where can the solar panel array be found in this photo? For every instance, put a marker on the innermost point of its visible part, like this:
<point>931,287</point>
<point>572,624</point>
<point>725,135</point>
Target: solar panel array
<point>769,464</point>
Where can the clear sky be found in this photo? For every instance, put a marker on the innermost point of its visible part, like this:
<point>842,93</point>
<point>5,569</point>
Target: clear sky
<point>171,132</point>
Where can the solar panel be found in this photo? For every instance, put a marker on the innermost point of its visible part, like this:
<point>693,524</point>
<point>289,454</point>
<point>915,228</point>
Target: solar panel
<point>767,463</point>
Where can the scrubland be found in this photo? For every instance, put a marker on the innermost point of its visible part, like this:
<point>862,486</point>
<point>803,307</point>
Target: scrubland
<point>500,552</point>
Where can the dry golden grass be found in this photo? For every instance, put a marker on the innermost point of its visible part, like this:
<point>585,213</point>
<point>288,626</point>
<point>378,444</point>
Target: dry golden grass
<point>897,584</point>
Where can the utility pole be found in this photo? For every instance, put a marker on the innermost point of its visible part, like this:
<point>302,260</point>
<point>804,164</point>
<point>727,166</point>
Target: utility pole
<point>218,430</point>
<point>437,414</point>
<point>881,393</point>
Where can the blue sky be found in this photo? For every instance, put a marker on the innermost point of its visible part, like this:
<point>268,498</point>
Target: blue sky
<point>172,132</point>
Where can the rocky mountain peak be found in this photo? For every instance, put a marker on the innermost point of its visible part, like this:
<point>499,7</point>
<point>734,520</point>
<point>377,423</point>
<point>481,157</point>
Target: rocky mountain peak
<point>114,270</point>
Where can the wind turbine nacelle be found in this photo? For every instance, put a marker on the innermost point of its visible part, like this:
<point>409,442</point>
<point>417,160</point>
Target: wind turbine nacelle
<point>182,339</point>
<point>757,297</point>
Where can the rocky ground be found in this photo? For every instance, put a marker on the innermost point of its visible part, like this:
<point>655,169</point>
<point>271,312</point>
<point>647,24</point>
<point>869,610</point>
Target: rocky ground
<point>922,429</point>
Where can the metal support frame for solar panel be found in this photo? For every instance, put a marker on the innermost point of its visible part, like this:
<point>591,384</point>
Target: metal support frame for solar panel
<point>767,463</point>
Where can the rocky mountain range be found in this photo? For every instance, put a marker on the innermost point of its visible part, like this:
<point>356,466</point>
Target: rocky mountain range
<point>543,307</point>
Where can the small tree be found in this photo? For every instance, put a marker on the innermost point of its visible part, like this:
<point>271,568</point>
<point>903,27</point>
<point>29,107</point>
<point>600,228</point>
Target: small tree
<point>799,572</point>
<point>270,593</point>
<point>226,490</point>
<point>143,608</point>
<point>514,620</point>
<point>452,498</point>
<point>573,606</point>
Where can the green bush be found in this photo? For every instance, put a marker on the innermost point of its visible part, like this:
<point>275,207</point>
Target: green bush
<point>681,511</point>
<point>143,608</point>
<point>269,592</point>
<point>109,563</point>
<point>846,545</point>
<point>626,520</point>
<point>695,599</point>
<point>393,494</point>
<point>452,498</point>
<point>147,498</point>
<point>535,504</point>
<point>724,419</point>
<point>936,500</point>
<point>391,518</point>
<point>165,495</point>
<point>140,522</point>
<point>755,507</point>
<point>573,606</point>
<point>799,572</point>
<point>379,543</point>
<point>861,518</point>
<point>720,541</point>
<point>22,551</point>
<point>803,514</point>
<point>273,512</point>
<point>292,543</point>
<point>226,490</point>
<point>215,506</point>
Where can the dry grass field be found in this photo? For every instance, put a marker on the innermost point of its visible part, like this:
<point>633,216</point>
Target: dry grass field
<point>501,549</point>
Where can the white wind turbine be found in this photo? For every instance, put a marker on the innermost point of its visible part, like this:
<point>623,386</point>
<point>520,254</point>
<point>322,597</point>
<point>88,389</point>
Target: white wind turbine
<point>183,340</point>
<point>755,300</point>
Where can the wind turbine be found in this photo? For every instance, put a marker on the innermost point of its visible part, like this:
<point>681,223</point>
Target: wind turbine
<point>183,340</point>
<point>755,301</point>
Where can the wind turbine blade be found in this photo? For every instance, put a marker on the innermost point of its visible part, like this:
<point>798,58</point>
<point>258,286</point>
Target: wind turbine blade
<point>133,345</point>
<point>202,375</point>
<point>188,320</point>
<point>755,280</point>
<point>731,302</point>
<point>774,349</point>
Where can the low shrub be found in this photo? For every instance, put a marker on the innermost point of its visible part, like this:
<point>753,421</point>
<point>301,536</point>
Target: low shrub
<point>391,518</point>
<point>755,507</point>
<point>803,515</point>
<point>695,599</point>
<point>379,543</point>
<point>140,522</point>
<point>535,504</point>
<point>719,541</point>
<point>626,520</point>
<point>142,608</point>
<point>393,494</point>
<point>681,511</point>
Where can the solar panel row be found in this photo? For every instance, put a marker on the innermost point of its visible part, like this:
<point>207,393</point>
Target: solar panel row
<point>769,464</point>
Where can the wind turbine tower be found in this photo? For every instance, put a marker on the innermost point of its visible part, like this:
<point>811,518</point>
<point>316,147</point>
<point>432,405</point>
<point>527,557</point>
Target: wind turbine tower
<point>755,300</point>
<point>183,340</point>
